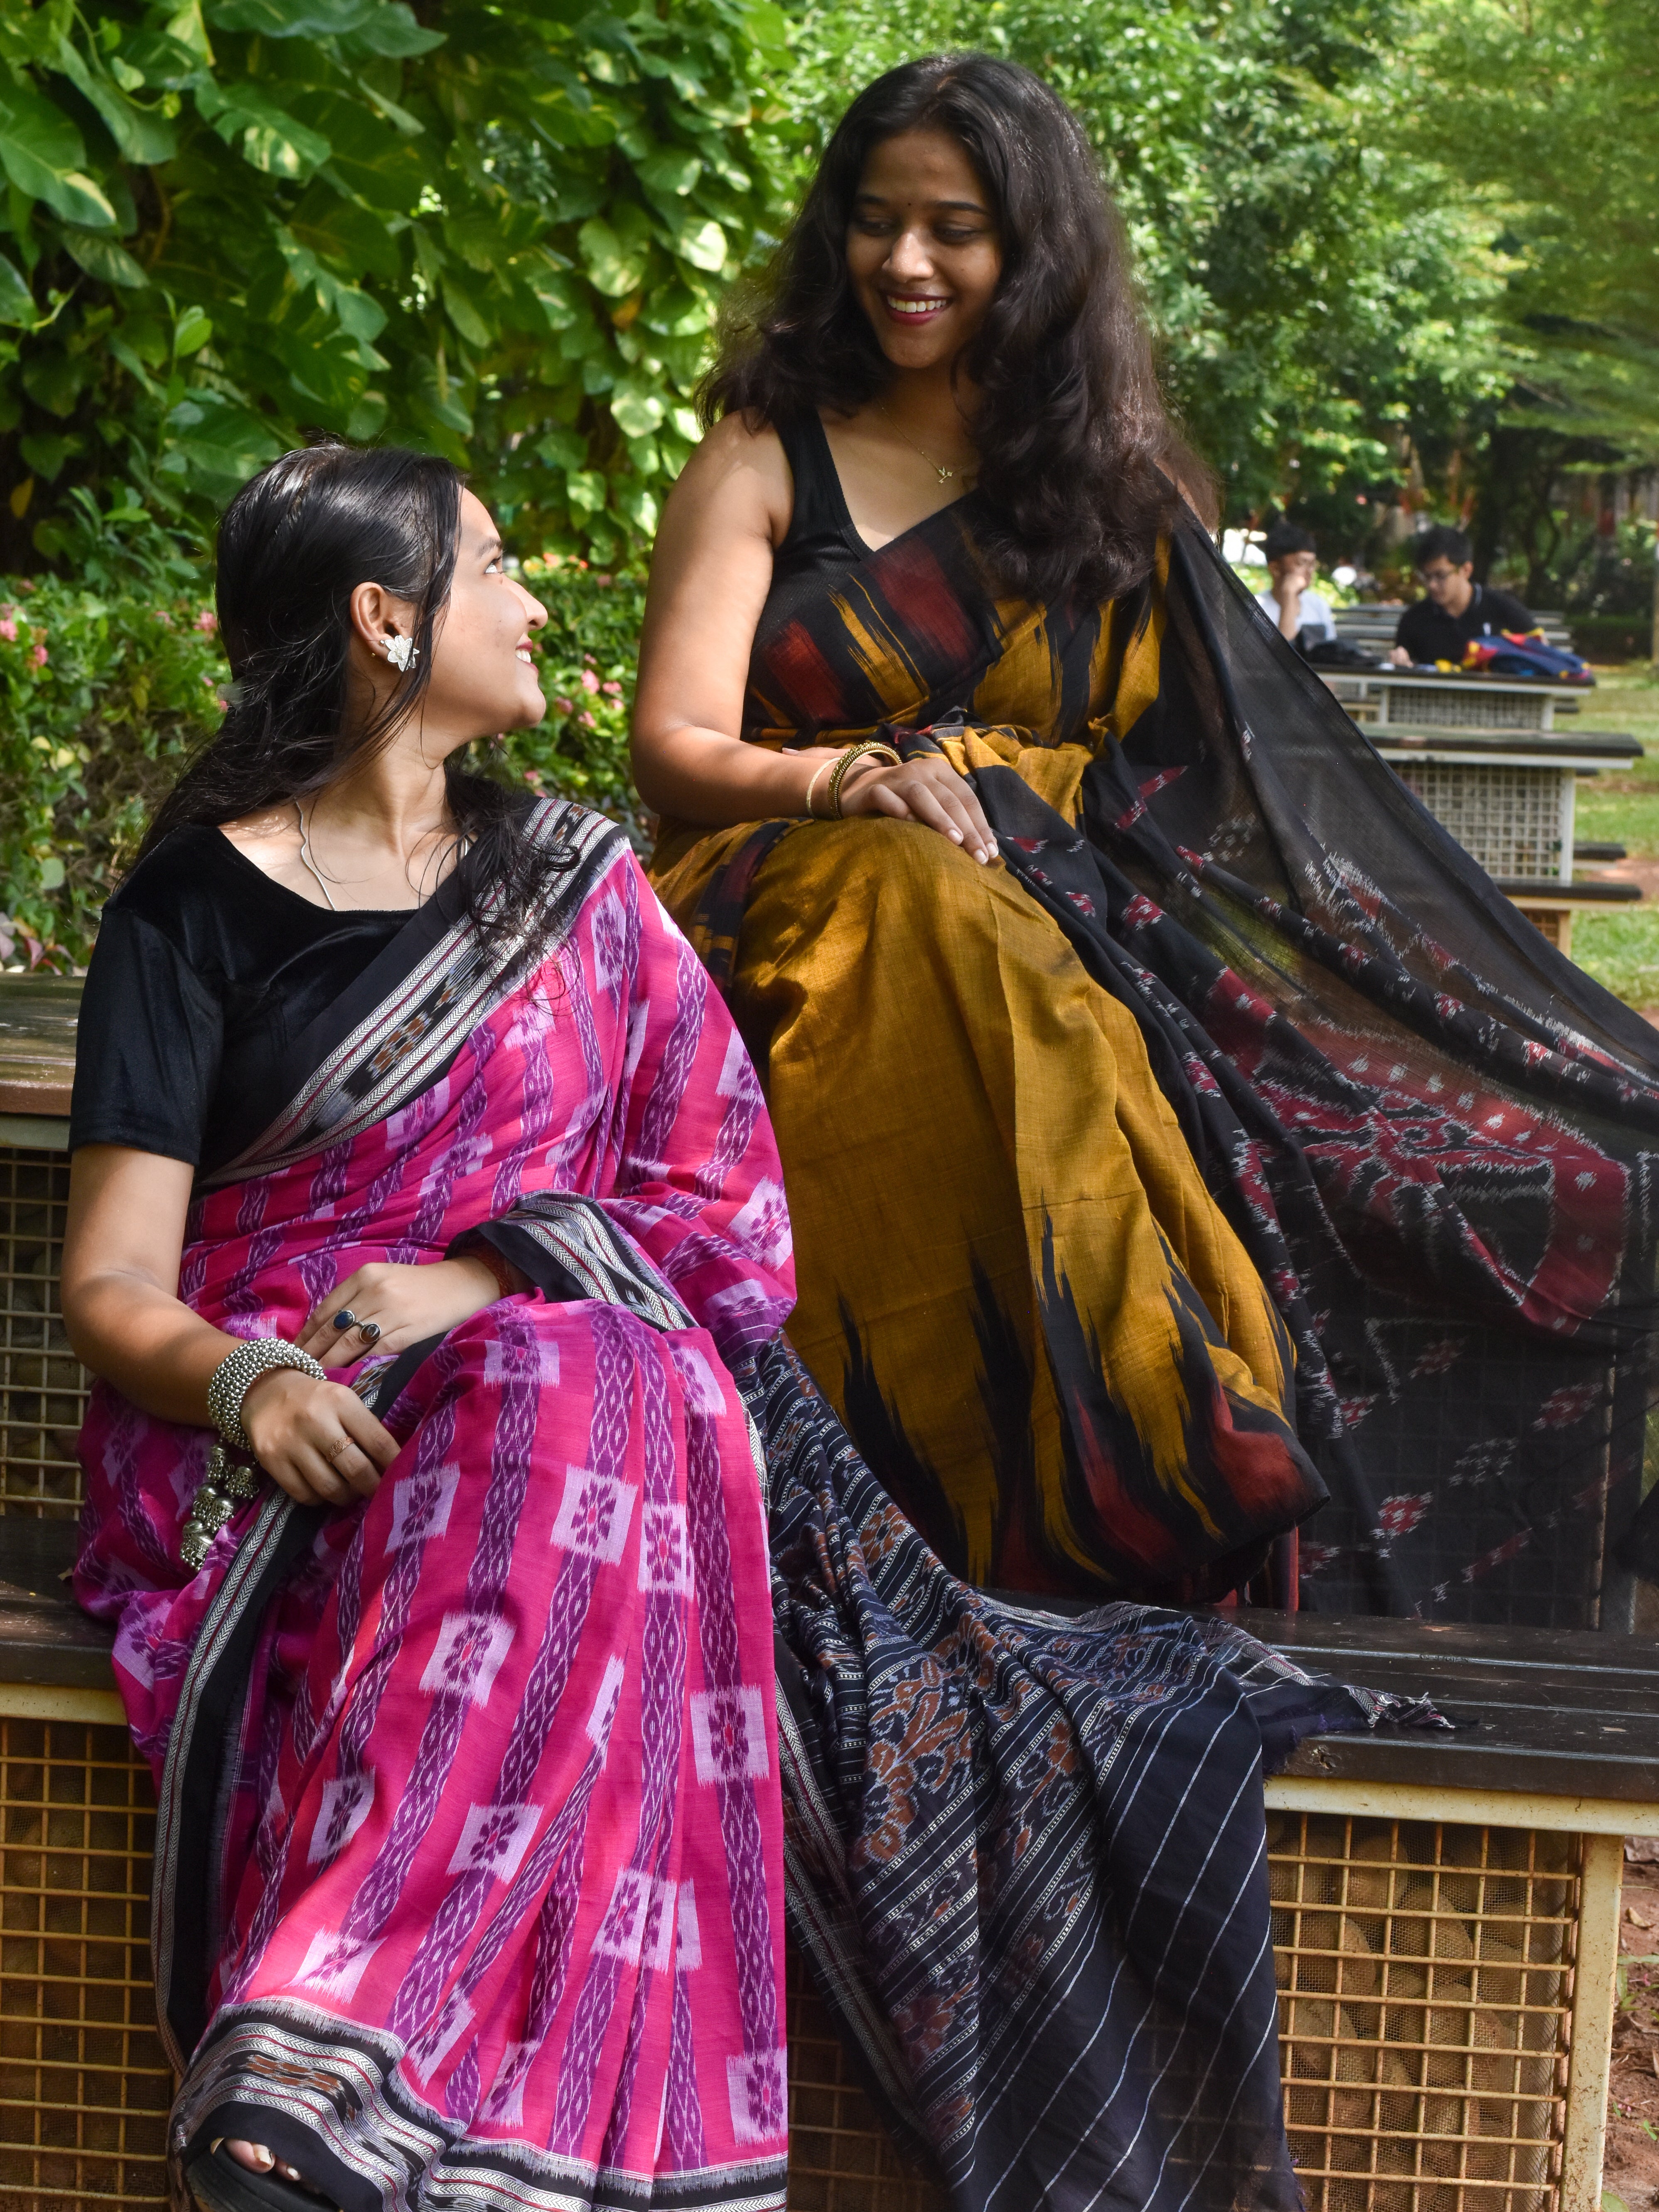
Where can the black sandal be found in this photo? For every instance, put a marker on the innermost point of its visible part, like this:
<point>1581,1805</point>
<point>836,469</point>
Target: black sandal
<point>220,2183</point>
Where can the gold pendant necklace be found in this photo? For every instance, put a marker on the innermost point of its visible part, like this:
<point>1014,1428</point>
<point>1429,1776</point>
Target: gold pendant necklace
<point>946,476</point>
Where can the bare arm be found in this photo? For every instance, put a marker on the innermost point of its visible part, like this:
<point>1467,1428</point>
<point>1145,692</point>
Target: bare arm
<point>122,1247</point>
<point>710,574</point>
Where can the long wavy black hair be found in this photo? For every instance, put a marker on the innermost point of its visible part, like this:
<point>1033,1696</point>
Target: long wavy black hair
<point>294,544</point>
<point>1080,468</point>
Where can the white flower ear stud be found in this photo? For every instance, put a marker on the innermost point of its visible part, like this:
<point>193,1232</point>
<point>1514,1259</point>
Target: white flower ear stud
<point>400,651</point>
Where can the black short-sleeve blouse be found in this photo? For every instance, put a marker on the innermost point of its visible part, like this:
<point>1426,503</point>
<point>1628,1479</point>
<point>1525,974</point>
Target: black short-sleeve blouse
<point>204,970</point>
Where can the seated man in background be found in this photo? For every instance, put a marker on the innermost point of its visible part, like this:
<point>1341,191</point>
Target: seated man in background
<point>1302,614</point>
<point>1456,611</point>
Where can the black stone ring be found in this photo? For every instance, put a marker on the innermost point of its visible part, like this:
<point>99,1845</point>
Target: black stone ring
<point>345,1319</point>
<point>369,1331</point>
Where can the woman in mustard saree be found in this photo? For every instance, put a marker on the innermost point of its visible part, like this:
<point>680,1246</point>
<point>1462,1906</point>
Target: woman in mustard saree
<point>1178,1124</point>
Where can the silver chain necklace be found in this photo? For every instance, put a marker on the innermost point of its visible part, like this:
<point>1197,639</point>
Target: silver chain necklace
<point>306,862</point>
<point>462,845</point>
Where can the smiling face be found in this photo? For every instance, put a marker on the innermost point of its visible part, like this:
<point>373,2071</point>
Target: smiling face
<point>922,248</point>
<point>483,678</point>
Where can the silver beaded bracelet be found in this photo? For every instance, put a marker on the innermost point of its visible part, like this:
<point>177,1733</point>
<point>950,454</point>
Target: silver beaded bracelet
<point>235,1375</point>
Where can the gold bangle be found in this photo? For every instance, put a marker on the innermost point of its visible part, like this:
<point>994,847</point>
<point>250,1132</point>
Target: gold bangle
<point>870,749</point>
<point>812,786</point>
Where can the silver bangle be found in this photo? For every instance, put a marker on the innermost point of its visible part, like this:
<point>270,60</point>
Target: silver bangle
<point>235,1375</point>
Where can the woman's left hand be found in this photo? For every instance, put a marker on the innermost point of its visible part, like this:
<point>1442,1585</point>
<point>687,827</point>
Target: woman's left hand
<point>406,1304</point>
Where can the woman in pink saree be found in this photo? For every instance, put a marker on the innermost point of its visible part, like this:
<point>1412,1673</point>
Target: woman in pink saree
<point>448,1202</point>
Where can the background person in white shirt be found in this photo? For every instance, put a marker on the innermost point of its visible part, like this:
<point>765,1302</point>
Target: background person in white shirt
<point>1290,604</point>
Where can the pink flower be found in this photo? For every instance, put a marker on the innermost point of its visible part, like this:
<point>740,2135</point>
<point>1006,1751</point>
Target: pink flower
<point>8,630</point>
<point>611,691</point>
<point>207,680</point>
<point>587,722</point>
<point>207,620</point>
<point>40,656</point>
<point>601,579</point>
<point>164,617</point>
<point>589,680</point>
<point>565,706</point>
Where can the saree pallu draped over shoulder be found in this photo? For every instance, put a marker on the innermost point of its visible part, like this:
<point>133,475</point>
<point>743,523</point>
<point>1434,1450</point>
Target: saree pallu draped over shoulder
<point>1232,1156</point>
<point>468,1871</point>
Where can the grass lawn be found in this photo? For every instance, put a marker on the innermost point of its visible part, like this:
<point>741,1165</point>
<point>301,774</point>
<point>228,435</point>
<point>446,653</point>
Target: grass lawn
<point>1621,949</point>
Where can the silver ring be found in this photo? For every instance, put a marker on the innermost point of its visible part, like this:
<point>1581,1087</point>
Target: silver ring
<point>345,1319</point>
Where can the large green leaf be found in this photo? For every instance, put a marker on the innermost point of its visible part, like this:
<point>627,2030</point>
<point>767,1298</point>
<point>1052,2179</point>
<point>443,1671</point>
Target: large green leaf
<point>101,257</point>
<point>612,267</point>
<point>219,441</point>
<point>17,309</point>
<point>140,136</point>
<point>392,31</point>
<point>291,19</point>
<point>272,140</point>
<point>44,157</point>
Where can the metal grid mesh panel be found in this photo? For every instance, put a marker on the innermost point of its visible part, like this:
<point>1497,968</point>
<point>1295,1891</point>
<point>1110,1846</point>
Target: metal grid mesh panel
<point>842,2159</point>
<point>1442,707</point>
<point>1509,819</point>
<point>43,1386</point>
<point>84,2084</point>
<point>1424,1974</point>
<point>1551,922</point>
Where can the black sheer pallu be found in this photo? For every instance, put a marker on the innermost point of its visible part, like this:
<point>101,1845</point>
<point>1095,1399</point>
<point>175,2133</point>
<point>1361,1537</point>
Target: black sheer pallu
<point>1435,1136</point>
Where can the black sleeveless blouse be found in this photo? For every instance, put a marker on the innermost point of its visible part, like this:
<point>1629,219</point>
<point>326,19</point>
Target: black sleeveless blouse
<point>819,545</point>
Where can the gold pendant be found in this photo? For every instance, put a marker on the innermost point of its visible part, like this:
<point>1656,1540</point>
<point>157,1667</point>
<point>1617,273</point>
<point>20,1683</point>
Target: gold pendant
<point>945,475</point>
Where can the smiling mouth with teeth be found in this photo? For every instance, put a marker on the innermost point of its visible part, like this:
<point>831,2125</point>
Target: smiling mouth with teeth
<point>900,307</point>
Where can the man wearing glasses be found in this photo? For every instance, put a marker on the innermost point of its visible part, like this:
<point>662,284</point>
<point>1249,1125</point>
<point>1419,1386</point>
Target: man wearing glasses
<point>1456,611</point>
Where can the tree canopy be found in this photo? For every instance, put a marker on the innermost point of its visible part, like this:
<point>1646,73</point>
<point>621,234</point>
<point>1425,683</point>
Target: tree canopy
<point>1391,243</point>
<point>497,230</point>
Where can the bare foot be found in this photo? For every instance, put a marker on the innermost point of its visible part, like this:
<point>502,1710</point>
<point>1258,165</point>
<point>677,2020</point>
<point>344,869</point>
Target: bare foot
<point>257,2159</point>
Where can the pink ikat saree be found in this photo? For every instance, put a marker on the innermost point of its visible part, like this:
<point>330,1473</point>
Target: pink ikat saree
<point>468,1871</point>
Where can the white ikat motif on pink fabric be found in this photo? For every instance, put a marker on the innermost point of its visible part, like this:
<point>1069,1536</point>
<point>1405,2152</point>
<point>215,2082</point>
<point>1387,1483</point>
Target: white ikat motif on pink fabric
<point>665,1551</point>
<point>470,1650</point>
<point>594,1516</point>
<point>728,1734</point>
<point>493,1839</point>
<point>334,1965</point>
<point>347,1803</point>
<point>757,2083</point>
<point>420,1506</point>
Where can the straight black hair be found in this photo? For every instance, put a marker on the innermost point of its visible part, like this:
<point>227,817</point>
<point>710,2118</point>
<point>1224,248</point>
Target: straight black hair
<point>1287,537</point>
<point>1442,543</point>
<point>1080,468</point>
<point>294,544</point>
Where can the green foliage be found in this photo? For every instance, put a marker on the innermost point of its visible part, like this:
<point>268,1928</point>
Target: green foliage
<point>1545,115</point>
<point>108,688</point>
<point>1311,291</point>
<point>584,664</point>
<point>101,699</point>
<point>499,232</point>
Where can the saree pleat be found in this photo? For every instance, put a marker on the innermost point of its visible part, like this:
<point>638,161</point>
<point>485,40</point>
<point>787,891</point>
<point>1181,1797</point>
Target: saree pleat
<point>1231,1157</point>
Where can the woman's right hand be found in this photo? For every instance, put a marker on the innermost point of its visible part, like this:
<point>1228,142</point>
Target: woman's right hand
<point>317,1441</point>
<point>927,790</point>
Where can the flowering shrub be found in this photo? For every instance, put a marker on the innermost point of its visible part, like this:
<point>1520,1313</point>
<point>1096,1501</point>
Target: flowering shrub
<point>103,697</point>
<point>585,660</point>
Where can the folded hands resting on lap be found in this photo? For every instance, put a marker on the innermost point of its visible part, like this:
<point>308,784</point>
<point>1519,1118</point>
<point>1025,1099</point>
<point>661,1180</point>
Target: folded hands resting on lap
<point>318,1440</point>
